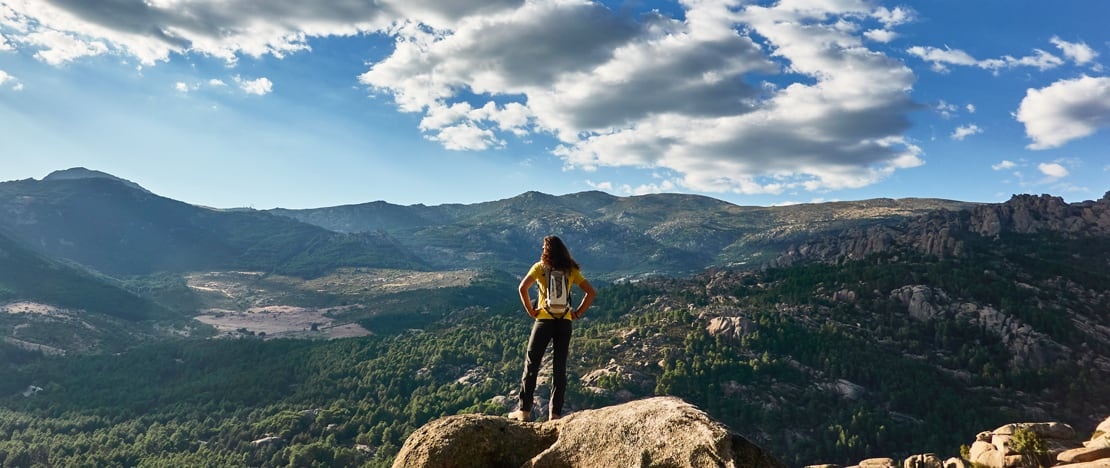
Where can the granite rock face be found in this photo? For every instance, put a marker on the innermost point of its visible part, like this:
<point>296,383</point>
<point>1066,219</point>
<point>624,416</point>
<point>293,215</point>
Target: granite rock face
<point>660,431</point>
<point>1028,347</point>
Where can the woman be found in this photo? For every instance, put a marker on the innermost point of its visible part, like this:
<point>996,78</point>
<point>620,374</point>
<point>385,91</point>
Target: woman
<point>549,326</point>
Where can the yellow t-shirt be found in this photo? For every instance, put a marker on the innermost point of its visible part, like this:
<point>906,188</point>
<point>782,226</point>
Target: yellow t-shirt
<point>537,273</point>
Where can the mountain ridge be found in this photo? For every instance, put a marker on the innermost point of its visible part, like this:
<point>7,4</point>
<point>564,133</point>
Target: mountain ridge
<point>677,233</point>
<point>113,227</point>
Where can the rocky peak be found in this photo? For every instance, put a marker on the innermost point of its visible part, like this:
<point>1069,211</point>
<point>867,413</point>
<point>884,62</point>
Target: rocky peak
<point>942,233</point>
<point>1029,213</point>
<point>83,173</point>
<point>660,431</point>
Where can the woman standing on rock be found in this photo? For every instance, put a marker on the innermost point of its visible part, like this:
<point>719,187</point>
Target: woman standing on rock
<point>554,274</point>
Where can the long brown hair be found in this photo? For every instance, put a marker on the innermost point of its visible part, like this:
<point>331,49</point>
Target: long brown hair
<point>555,254</point>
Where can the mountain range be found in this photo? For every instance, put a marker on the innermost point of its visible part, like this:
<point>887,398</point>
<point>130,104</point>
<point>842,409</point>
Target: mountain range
<point>822,331</point>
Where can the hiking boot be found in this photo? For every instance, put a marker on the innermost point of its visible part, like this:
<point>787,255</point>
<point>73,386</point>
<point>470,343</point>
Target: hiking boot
<point>554,416</point>
<point>521,415</point>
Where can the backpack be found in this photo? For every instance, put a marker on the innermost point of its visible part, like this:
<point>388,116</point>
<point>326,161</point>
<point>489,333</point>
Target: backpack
<point>558,292</point>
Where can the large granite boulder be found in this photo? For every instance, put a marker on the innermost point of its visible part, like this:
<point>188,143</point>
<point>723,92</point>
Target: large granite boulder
<point>661,431</point>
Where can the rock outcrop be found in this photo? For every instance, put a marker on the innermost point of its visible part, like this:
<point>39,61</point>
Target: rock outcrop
<point>1029,213</point>
<point>1028,347</point>
<point>1056,445</point>
<point>660,431</point>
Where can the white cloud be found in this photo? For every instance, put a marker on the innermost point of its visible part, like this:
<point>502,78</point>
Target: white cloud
<point>1054,171</point>
<point>881,35</point>
<point>971,108</point>
<point>1065,110</point>
<point>6,78</point>
<point>942,58</point>
<point>466,137</point>
<point>259,86</point>
<point>181,87</point>
<point>1078,52</point>
<point>965,131</point>
<point>945,109</point>
<point>5,45</point>
<point>627,189</point>
<point>899,15</point>
<point>151,31</point>
<point>59,48</point>
<point>1004,165</point>
<point>605,186</point>
<point>215,83</point>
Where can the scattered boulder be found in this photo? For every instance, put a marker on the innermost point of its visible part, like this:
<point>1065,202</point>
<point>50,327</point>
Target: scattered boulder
<point>926,460</point>
<point>878,463</point>
<point>660,431</point>
<point>268,440</point>
<point>954,462</point>
<point>1083,454</point>
<point>1058,444</point>
<point>730,327</point>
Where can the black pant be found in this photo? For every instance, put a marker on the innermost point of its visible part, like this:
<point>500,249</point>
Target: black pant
<point>544,332</point>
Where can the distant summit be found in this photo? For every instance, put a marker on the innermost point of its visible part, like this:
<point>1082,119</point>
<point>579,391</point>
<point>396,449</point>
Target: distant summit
<point>83,173</point>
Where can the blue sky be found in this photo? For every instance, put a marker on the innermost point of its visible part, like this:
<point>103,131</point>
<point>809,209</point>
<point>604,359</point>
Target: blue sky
<point>286,103</point>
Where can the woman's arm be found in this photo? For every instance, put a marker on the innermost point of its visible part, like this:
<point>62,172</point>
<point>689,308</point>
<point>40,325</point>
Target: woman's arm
<point>587,300</point>
<point>525,284</point>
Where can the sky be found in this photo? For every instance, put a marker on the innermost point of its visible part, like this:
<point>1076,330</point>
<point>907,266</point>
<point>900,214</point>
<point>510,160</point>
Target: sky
<point>295,104</point>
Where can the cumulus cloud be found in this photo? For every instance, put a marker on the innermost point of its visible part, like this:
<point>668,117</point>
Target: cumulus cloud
<point>965,131</point>
<point>59,48</point>
<point>894,17</point>
<point>258,86</point>
<point>687,94</point>
<point>1004,165</point>
<point>1078,52</point>
<point>669,93</point>
<point>881,35</point>
<point>1054,171</point>
<point>942,58</point>
<point>971,108</point>
<point>1065,110</point>
<point>152,30</point>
